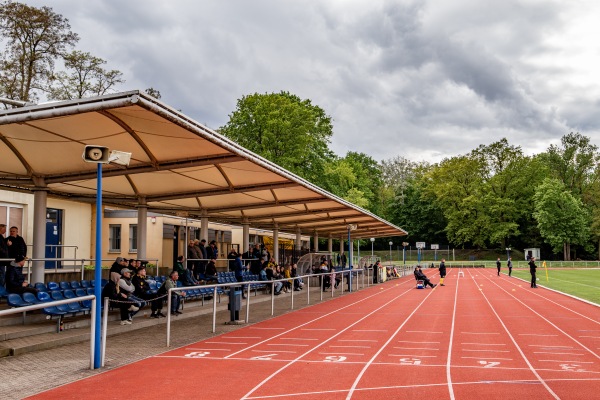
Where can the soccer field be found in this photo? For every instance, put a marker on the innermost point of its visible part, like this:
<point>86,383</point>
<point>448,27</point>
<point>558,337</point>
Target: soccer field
<point>583,283</point>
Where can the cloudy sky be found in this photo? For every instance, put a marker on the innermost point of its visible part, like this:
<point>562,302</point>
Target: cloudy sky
<point>419,79</point>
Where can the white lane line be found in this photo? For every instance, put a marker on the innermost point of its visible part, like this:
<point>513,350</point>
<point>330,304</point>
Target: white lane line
<point>436,333</point>
<point>512,338</point>
<point>205,349</point>
<point>547,346</point>
<point>352,347</point>
<point>480,333</point>
<point>266,328</point>
<point>490,358</point>
<point>591,337</point>
<point>555,353</point>
<point>358,340</point>
<point>287,344</point>
<point>565,361</point>
<point>415,348</point>
<point>412,341</point>
<point>483,344</point>
<point>449,355</point>
<point>225,343</point>
<point>285,338</point>
<point>494,350</point>
<point>368,364</point>
<point>242,337</point>
<point>342,354</point>
<point>410,355</point>
<point>536,334</point>
<point>317,329</point>
<point>330,338</point>
<point>270,351</point>
<point>370,330</point>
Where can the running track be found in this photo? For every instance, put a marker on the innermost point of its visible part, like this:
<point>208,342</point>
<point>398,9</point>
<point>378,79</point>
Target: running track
<point>479,337</point>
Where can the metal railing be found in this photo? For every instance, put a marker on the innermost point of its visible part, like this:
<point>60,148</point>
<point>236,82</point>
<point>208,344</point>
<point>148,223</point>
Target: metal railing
<point>19,310</point>
<point>348,273</point>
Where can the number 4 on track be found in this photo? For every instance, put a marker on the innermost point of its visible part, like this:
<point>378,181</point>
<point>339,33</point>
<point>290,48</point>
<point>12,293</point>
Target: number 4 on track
<point>487,364</point>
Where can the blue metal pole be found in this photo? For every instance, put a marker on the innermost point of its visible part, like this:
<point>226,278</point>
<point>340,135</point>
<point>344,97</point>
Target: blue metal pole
<point>98,270</point>
<point>350,261</point>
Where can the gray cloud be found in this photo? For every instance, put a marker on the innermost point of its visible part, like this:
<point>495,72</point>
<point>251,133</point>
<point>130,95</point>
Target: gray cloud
<point>421,79</point>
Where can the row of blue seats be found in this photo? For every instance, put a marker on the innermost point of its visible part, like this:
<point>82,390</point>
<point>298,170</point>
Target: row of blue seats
<point>64,285</point>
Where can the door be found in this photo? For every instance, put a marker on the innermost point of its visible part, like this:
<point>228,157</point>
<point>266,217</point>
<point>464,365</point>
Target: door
<point>53,237</point>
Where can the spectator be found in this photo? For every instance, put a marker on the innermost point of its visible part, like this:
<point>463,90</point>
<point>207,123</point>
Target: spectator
<point>211,270</point>
<point>176,297</point>
<point>270,273</point>
<point>231,257</point>
<point>15,280</point>
<point>239,271</point>
<point>16,244</point>
<point>287,273</point>
<point>298,284</point>
<point>115,269</point>
<point>3,254</point>
<point>142,290</point>
<point>192,256</point>
<point>256,257</point>
<point>112,290</point>
<point>185,274</point>
<point>126,287</point>
<point>326,279</point>
<point>419,275</point>
<point>201,250</point>
<point>212,251</point>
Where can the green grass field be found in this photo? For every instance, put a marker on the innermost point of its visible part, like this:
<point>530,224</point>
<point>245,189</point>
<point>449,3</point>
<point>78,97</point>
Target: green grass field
<point>582,283</point>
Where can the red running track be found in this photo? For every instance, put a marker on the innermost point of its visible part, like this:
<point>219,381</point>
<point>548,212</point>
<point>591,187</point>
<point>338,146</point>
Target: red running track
<point>480,336</point>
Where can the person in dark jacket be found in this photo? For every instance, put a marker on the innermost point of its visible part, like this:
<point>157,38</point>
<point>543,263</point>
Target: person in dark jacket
<point>3,254</point>
<point>422,277</point>
<point>16,244</point>
<point>498,265</point>
<point>15,280</point>
<point>142,290</point>
<point>532,271</point>
<point>113,292</point>
<point>238,271</point>
<point>509,265</point>
<point>442,270</point>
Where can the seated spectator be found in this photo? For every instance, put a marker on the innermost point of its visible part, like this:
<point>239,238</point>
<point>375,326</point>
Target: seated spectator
<point>126,287</point>
<point>115,269</point>
<point>263,273</point>
<point>270,273</point>
<point>298,284</point>
<point>112,290</point>
<point>326,279</point>
<point>210,273</point>
<point>278,274</point>
<point>142,290</point>
<point>186,275</point>
<point>176,297</point>
<point>420,276</point>
<point>15,280</point>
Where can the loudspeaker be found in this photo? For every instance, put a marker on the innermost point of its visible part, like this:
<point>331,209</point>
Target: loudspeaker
<point>96,154</point>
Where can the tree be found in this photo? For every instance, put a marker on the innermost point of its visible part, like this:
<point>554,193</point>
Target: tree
<point>561,216</point>
<point>153,92</point>
<point>84,77</point>
<point>284,129</point>
<point>35,38</point>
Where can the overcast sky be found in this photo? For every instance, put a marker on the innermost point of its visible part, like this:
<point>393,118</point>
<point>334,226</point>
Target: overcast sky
<point>420,79</point>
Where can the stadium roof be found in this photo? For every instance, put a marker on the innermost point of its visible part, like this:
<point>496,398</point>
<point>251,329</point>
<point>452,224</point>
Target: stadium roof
<point>177,167</point>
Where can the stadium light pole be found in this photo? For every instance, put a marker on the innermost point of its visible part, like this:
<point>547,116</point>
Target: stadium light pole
<point>391,243</point>
<point>372,240</point>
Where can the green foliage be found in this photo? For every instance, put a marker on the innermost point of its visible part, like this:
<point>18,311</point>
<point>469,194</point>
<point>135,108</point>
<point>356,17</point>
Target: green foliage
<point>561,217</point>
<point>284,129</point>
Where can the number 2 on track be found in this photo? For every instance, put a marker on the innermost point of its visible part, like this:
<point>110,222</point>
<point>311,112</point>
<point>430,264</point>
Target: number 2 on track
<point>489,364</point>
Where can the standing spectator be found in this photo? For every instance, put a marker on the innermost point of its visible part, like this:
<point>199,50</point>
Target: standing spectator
<point>498,265</point>
<point>344,259</point>
<point>142,290</point>
<point>339,260</point>
<point>171,283</point>
<point>442,270</point>
<point>16,244</point>
<point>231,257</point>
<point>201,250</point>
<point>256,257</point>
<point>212,251</point>
<point>3,254</point>
<point>15,280</point>
<point>532,268</point>
<point>509,265</point>
<point>192,256</point>
<point>325,278</point>
<point>239,271</point>
<point>247,257</point>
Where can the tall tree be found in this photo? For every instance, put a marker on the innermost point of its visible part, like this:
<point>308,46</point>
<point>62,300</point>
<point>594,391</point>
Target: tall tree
<point>561,216</point>
<point>85,76</point>
<point>285,129</point>
<point>34,39</point>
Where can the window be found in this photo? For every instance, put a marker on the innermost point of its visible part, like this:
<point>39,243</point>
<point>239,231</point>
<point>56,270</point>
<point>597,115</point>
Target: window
<point>114,238</point>
<point>133,238</point>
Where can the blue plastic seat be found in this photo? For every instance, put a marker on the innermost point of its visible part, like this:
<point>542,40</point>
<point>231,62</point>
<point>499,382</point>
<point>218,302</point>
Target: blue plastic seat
<point>53,286</point>
<point>69,294</point>
<point>41,286</point>
<point>85,283</point>
<point>30,298</point>
<point>3,292</point>
<point>15,300</point>
<point>64,285</point>
<point>80,292</point>
<point>75,285</point>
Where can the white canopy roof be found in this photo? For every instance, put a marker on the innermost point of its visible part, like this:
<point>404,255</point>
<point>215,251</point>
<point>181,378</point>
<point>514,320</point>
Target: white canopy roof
<point>177,167</point>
